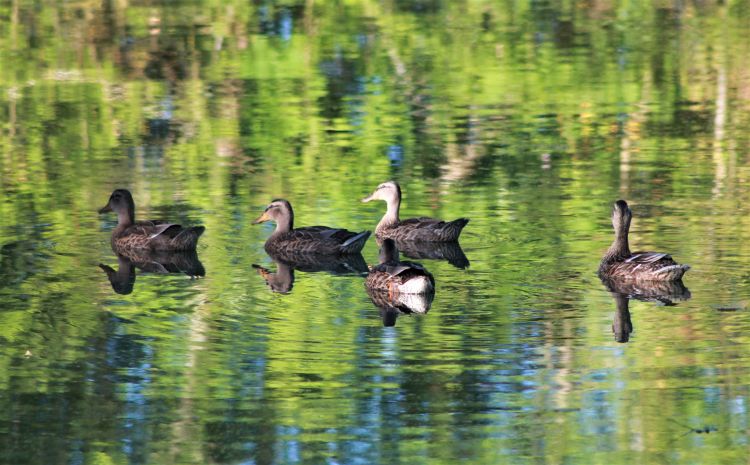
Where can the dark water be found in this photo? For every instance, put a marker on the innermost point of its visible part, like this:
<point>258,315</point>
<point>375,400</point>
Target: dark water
<point>528,118</point>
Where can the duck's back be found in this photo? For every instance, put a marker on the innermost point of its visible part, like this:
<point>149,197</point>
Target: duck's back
<point>424,229</point>
<point>652,266</point>
<point>157,235</point>
<point>401,276</point>
<point>317,240</point>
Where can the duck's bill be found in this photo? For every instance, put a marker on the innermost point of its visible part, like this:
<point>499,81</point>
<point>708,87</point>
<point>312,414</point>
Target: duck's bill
<point>262,218</point>
<point>105,209</point>
<point>367,199</point>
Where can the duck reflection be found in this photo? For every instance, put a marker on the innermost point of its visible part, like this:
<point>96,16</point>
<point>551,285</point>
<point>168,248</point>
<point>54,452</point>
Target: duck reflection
<point>392,306</point>
<point>282,280</point>
<point>663,292</point>
<point>123,278</point>
<point>420,250</point>
<point>622,326</point>
<point>397,287</point>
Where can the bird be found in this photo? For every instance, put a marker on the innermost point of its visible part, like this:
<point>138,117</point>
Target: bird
<point>412,229</point>
<point>619,263</point>
<point>397,277</point>
<point>149,235</point>
<point>287,239</point>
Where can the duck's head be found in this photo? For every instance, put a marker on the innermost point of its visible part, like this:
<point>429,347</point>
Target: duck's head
<point>387,191</point>
<point>279,211</point>
<point>621,216</point>
<point>120,202</point>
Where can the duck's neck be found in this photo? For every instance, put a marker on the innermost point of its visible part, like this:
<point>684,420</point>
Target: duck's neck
<point>391,214</point>
<point>619,248</point>
<point>284,224</point>
<point>125,218</point>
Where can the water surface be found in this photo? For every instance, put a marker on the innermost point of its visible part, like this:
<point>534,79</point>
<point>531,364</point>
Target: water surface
<point>530,119</point>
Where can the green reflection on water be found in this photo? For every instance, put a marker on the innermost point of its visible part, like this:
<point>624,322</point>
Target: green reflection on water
<point>528,118</point>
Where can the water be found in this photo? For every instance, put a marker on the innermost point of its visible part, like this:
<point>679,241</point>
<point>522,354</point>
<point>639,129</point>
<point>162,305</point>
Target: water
<point>529,119</point>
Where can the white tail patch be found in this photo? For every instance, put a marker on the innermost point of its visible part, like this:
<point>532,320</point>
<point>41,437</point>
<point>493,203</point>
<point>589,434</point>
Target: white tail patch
<point>417,303</point>
<point>416,285</point>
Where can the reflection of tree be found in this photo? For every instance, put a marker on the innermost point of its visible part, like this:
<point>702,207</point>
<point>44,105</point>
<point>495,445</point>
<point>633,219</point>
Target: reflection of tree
<point>230,106</point>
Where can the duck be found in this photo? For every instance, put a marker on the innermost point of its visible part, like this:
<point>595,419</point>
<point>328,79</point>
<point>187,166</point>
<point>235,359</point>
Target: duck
<point>148,235</point>
<point>286,239</point>
<point>397,277</point>
<point>412,229</point>
<point>620,263</point>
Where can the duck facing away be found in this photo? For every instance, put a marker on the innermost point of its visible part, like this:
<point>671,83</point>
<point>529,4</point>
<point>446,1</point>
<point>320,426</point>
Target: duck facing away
<point>620,263</point>
<point>412,229</point>
<point>310,240</point>
<point>148,235</point>
<point>398,277</point>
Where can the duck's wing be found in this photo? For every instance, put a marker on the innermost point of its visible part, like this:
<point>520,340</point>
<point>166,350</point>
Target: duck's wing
<point>648,265</point>
<point>162,235</point>
<point>649,258</point>
<point>323,233</point>
<point>170,230</point>
<point>152,229</point>
<point>422,223</point>
<point>322,239</point>
<point>402,268</point>
<point>429,229</point>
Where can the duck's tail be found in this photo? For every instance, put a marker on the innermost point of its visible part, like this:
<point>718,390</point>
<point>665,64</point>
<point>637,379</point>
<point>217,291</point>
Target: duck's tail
<point>416,285</point>
<point>452,229</point>
<point>671,272</point>
<point>355,243</point>
<point>187,239</point>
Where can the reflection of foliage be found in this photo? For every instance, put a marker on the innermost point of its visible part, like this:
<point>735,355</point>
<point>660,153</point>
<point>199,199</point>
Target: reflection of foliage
<point>527,117</point>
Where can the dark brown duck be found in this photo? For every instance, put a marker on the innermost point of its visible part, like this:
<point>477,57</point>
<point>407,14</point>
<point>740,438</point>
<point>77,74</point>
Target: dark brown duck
<point>149,235</point>
<point>620,263</point>
<point>312,239</point>
<point>398,277</point>
<point>412,229</point>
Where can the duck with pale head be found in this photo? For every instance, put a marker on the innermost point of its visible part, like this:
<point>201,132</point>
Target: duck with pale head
<point>412,229</point>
